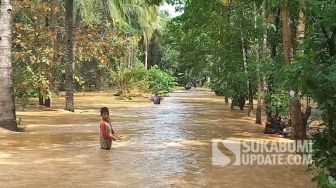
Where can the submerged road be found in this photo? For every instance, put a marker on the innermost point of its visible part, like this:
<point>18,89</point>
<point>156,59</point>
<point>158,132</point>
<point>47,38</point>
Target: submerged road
<point>167,145</point>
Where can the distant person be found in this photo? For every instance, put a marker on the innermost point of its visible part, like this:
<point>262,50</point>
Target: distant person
<point>107,134</point>
<point>194,82</point>
<point>204,81</point>
<point>187,86</point>
<point>156,99</point>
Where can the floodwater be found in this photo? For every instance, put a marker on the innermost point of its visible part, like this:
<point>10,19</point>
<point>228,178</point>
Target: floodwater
<point>167,145</point>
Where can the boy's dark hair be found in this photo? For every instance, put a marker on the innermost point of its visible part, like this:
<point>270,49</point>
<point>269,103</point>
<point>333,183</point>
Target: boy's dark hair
<point>103,110</point>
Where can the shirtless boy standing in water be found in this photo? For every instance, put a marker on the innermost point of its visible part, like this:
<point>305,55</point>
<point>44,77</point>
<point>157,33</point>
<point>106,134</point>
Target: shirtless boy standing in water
<point>156,99</point>
<point>107,134</point>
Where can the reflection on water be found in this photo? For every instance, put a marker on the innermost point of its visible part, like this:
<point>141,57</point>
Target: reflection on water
<point>167,145</point>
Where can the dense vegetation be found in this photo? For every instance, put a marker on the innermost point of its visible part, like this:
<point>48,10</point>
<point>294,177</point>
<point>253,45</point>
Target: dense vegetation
<point>278,52</point>
<point>107,46</point>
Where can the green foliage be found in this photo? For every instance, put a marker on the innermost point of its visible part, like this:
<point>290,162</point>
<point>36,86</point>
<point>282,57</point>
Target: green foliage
<point>233,84</point>
<point>320,83</point>
<point>324,157</point>
<point>24,88</point>
<point>32,87</point>
<point>277,102</point>
<point>140,77</point>
<point>32,51</point>
<point>211,36</point>
<point>160,81</point>
<point>102,44</point>
<point>91,75</point>
<point>137,80</point>
<point>170,58</point>
<point>158,2</point>
<point>128,80</point>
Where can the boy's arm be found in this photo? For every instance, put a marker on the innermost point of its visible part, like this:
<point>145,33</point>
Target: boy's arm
<point>113,135</point>
<point>117,136</point>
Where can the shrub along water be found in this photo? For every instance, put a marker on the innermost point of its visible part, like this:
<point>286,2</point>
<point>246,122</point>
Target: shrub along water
<point>138,80</point>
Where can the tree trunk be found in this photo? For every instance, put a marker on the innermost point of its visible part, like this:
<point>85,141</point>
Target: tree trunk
<point>296,119</point>
<point>265,56</point>
<point>258,111</point>
<point>259,100</point>
<point>305,116</point>
<point>302,134</point>
<point>40,97</point>
<point>98,82</point>
<point>250,95</point>
<point>107,11</point>
<point>299,133</point>
<point>300,31</point>
<point>274,41</point>
<point>69,56</point>
<point>133,52</point>
<point>57,60</point>
<point>146,50</point>
<point>129,49</point>
<point>47,102</point>
<point>287,33</point>
<point>41,102</point>
<point>250,98</point>
<point>146,57</point>
<point>308,101</point>
<point>7,102</point>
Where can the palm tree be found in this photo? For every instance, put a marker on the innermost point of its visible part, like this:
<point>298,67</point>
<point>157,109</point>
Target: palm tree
<point>135,14</point>
<point>142,17</point>
<point>7,104</point>
<point>115,10</point>
<point>148,24</point>
<point>86,10</point>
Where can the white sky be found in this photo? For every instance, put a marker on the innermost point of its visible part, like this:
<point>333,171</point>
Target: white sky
<point>170,9</point>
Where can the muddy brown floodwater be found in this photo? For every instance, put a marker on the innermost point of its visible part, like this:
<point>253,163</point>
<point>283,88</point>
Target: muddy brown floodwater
<point>167,145</point>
